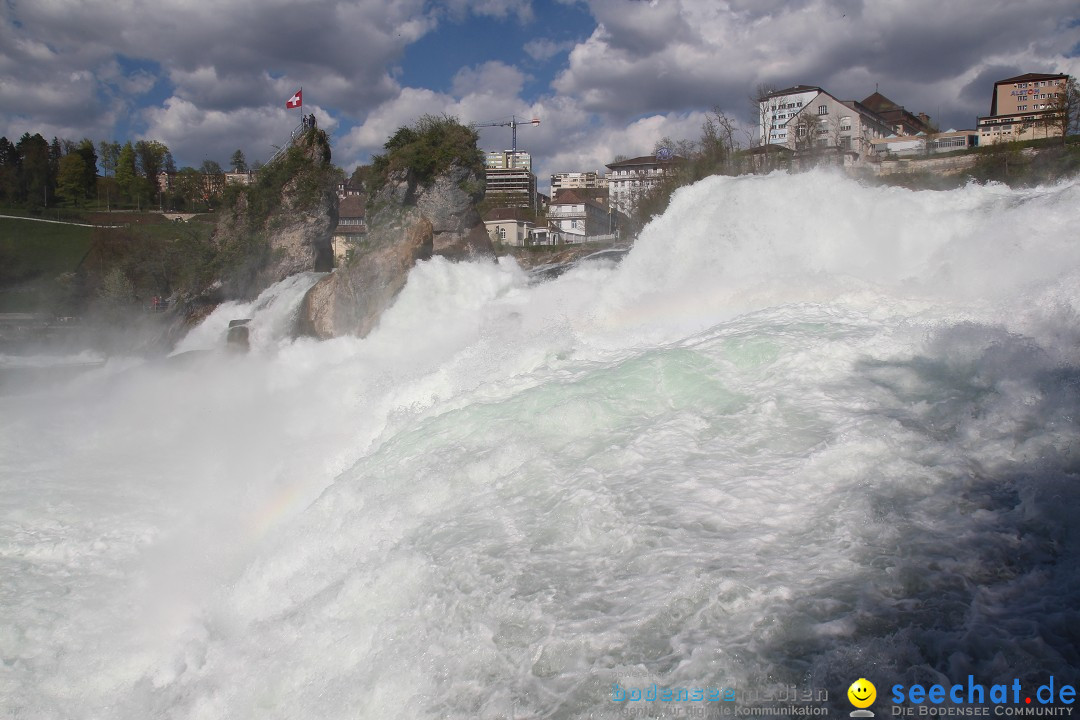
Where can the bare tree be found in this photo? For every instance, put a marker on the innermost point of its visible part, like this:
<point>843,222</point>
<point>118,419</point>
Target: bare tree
<point>1065,109</point>
<point>764,114</point>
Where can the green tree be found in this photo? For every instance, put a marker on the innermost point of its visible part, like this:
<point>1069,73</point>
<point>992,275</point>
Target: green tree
<point>85,150</point>
<point>127,178</point>
<point>9,171</point>
<point>110,154</point>
<point>189,186</point>
<point>35,186</point>
<point>71,178</point>
<point>238,162</point>
<point>150,157</point>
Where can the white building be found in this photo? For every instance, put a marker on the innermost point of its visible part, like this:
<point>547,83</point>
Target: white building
<point>575,180</point>
<point>576,218</point>
<point>776,110</point>
<point>507,160</point>
<point>630,179</point>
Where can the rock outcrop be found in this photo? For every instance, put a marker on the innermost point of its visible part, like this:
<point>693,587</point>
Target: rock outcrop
<point>283,224</point>
<point>407,222</point>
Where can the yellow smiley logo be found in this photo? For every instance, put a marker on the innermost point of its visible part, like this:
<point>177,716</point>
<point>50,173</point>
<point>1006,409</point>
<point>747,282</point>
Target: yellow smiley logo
<point>862,693</point>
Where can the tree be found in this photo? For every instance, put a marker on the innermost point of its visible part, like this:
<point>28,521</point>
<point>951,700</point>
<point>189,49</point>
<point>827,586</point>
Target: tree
<point>35,180</point>
<point>9,171</point>
<point>110,154</point>
<point>718,143</point>
<point>85,150</point>
<point>213,179</point>
<point>1065,109</point>
<point>764,111</point>
<point>189,185</point>
<point>237,162</point>
<point>803,131</point>
<point>151,156</point>
<point>127,178</point>
<point>71,178</point>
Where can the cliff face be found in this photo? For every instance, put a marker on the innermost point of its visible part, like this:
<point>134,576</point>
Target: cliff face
<point>407,222</point>
<point>283,223</point>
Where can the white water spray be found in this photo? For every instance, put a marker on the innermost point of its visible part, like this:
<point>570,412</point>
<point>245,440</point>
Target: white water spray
<point>806,432</point>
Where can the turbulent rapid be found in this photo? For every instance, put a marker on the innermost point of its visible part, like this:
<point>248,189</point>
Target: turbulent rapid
<point>807,431</point>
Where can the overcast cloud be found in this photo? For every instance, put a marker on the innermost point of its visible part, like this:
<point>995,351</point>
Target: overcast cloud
<point>606,77</point>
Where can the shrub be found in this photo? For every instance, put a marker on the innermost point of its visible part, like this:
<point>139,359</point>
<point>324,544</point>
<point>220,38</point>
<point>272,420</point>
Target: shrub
<point>428,148</point>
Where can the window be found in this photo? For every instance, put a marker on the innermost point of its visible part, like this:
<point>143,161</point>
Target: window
<point>502,233</point>
<point>822,109</point>
<point>845,123</point>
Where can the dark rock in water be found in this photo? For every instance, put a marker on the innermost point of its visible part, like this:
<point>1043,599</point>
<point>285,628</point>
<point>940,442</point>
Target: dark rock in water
<point>408,222</point>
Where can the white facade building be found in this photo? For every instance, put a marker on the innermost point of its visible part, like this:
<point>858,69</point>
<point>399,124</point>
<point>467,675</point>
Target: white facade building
<point>630,179</point>
<point>573,180</point>
<point>777,109</point>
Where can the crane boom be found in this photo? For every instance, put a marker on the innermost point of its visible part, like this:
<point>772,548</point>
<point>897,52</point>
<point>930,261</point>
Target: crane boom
<point>512,124</point>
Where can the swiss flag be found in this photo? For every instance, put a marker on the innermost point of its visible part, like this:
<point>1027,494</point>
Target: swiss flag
<point>296,100</point>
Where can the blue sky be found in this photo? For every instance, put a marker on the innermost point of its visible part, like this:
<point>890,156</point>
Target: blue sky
<point>606,77</point>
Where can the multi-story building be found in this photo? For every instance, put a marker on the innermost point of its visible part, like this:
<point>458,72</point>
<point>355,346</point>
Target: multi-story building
<point>630,179</point>
<point>510,180</point>
<point>507,160</point>
<point>575,218</point>
<point>776,110</point>
<point>575,180</point>
<point>845,126</point>
<point>1022,108</point>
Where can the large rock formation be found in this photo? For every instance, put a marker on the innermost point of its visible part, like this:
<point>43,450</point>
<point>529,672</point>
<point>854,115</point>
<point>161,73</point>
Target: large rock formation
<point>408,222</point>
<point>283,223</point>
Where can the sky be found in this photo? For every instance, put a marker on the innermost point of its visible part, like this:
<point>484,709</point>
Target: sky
<point>605,77</point>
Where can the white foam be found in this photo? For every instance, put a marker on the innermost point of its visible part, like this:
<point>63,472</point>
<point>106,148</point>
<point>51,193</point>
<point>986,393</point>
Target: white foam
<point>806,431</point>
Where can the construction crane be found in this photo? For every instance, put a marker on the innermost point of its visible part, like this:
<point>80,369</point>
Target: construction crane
<point>512,124</point>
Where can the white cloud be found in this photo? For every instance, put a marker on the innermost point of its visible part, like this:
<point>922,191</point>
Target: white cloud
<point>491,77</point>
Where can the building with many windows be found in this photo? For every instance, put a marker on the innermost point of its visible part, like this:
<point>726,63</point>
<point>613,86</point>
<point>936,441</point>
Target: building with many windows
<point>846,127</point>
<point>630,179</point>
<point>578,180</point>
<point>777,109</point>
<point>1022,108</point>
<point>576,218</point>
<point>510,180</point>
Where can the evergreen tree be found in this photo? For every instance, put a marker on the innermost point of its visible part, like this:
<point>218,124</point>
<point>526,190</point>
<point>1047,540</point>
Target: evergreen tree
<point>238,162</point>
<point>85,150</point>
<point>35,187</point>
<point>9,171</point>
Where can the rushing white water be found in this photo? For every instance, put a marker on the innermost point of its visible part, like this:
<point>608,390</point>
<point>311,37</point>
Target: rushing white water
<point>808,431</point>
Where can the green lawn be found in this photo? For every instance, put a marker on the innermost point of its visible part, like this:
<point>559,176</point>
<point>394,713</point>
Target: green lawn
<point>32,255</point>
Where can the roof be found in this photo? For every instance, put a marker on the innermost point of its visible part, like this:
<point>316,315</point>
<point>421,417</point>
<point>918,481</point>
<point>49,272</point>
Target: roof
<point>793,90</point>
<point>643,160</point>
<point>572,197</point>
<point>1028,77</point>
<point>504,214</point>
<point>351,206</point>
<point>879,103</point>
